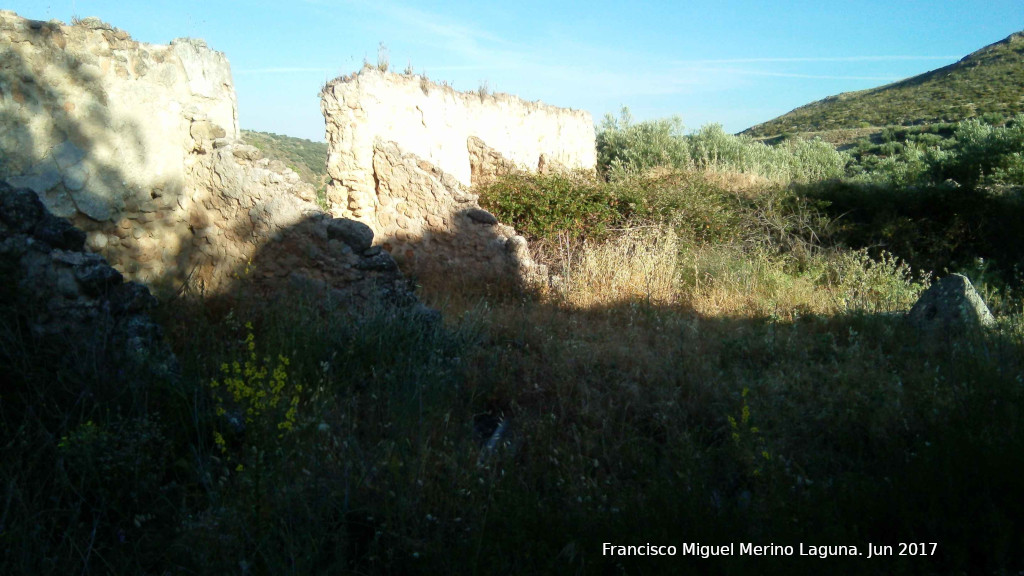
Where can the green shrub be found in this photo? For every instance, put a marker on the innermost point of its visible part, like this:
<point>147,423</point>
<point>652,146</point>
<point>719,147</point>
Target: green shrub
<point>972,153</point>
<point>544,206</point>
<point>863,284</point>
<point>627,149</point>
<point>985,154</point>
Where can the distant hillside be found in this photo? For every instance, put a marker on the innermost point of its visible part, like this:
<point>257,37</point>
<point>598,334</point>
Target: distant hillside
<point>307,158</point>
<point>989,82</point>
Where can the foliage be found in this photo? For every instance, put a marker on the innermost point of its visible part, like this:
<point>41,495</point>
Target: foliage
<point>553,208</point>
<point>969,154</point>
<point>546,206</point>
<point>263,397</point>
<point>935,228</point>
<point>628,149</point>
<point>984,154</point>
<point>383,57</point>
<point>802,160</point>
<point>625,147</point>
<point>710,363</point>
<point>749,387</point>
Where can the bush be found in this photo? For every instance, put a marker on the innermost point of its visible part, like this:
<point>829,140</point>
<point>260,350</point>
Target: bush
<point>985,154</point>
<point>972,153</point>
<point>626,148</point>
<point>545,206</point>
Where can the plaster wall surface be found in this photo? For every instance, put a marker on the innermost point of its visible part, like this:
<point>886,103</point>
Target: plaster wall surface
<point>97,123</point>
<point>434,122</point>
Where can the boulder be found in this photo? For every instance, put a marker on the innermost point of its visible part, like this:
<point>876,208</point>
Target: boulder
<point>481,216</point>
<point>951,305</point>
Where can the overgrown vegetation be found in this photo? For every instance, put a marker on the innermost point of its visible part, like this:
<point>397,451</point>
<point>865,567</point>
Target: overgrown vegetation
<point>944,198</point>
<point>628,148</point>
<point>971,154</point>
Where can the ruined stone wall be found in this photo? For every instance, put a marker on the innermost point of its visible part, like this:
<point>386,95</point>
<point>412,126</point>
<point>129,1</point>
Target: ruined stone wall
<point>105,130</point>
<point>137,145</point>
<point>404,153</point>
<point>96,122</point>
<point>431,224</point>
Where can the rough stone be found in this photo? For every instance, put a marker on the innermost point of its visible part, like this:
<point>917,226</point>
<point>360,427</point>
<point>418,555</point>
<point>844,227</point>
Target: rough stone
<point>247,152</point>
<point>381,262</point>
<point>76,177</point>
<point>92,204</point>
<point>144,151</point>
<point>43,178</point>
<point>97,241</point>
<point>435,205</point>
<point>67,154</point>
<point>402,159</point>
<point>206,130</point>
<point>481,216</point>
<point>486,163</point>
<point>951,305</point>
<point>357,235</point>
<point>70,298</point>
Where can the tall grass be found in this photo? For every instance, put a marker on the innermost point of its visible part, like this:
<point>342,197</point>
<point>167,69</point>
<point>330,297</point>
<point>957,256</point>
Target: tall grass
<point>670,392</point>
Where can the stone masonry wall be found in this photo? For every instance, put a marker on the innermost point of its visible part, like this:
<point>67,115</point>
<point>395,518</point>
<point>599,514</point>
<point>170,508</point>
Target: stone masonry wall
<point>404,152</point>
<point>97,123</point>
<point>106,130</point>
<point>431,224</point>
<point>137,145</point>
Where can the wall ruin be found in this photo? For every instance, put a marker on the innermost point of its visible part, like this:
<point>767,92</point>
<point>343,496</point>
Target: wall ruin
<point>404,153</point>
<point>137,145</point>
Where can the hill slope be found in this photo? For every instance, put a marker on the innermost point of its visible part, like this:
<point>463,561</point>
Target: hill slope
<point>307,158</point>
<point>989,81</point>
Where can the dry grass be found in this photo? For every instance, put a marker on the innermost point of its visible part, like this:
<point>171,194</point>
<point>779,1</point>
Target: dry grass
<point>651,265</point>
<point>639,265</point>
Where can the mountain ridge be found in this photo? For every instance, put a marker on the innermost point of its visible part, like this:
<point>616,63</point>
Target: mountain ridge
<point>988,81</point>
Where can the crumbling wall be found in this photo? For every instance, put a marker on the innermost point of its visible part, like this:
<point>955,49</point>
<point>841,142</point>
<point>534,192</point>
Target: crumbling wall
<point>404,153</point>
<point>105,130</point>
<point>137,145</point>
<point>98,124</point>
<point>431,224</point>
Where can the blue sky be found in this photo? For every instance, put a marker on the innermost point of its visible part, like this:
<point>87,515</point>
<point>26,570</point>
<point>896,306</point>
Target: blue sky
<point>735,62</point>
